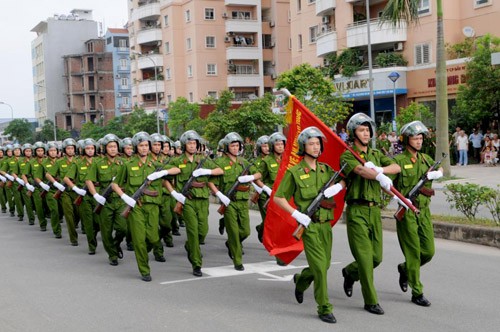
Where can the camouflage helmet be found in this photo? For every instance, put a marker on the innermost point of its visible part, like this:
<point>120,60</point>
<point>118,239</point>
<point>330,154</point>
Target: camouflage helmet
<point>190,135</point>
<point>141,136</point>
<point>264,139</point>
<point>412,129</point>
<point>39,145</point>
<point>177,144</point>
<point>26,146</point>
<point>274,138</point>
<point>52,145</point>
<point>157,138</point>
<point>125,142</point>
<point>79,145</point>
<point>68,142</point>
<point>359,119</point>
<point>231,138</point>
<point>9,147</point>
<point>86,142</point>
<point>220,146</point>
<point>305,135</point>
<point>168,141</point>
<point>110,138</point>
<point>16,146</point>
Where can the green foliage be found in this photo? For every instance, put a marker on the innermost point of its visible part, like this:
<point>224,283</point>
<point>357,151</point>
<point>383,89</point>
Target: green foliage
<point>464,49</point>
<point>415,112</point>
<point>139,120</point>
<point>47,133</point>
<point>466,198</point>
<point>184,116</point>
<point>346,64</point>
<point>384,127</point>
<point>19,129</point>
<point>305,80</point>
<point>390,59</point>
<point>218,125</point>
<point>97,131</point>
<point>491,199</point>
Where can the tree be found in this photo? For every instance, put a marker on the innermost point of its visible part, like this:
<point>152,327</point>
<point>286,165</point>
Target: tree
<point>415,112</point>
<point>218,124</point>
<point>479,100</point>
<point>139,120</point>
<point>47,133</point>
<point>183,116</point>
<point>304,80</point>
<point>397,11</point>
<point>20,130</point>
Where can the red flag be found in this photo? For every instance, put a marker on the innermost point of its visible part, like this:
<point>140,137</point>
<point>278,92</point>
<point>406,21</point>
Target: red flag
<point>279,226</point>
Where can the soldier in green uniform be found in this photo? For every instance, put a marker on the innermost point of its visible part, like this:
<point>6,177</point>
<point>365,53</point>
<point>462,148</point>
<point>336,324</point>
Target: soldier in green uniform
<point>236,215</point>
<point>127,151</point>
<point>3,180</point>
<point>75,180</point>
<point>303,182</point>
<point>364,228</point>
<point>63,165</point>
<point>50,169</point>
<point>33,174</point>
<point>195,206</point>
<point>415,232</point>
<point>23,164</point>
<point>13,171</point>
<point>262,150</point>
<point>9,195</point>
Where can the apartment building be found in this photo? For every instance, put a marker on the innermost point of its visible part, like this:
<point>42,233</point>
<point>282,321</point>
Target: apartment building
<point>56,36</point>
<point>196,48</point>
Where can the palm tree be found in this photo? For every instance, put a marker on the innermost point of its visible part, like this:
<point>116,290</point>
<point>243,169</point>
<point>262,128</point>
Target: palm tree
<point>397,11</point>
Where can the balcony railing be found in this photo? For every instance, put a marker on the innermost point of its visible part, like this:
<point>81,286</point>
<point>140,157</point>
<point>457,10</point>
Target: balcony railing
<point>380,33</point>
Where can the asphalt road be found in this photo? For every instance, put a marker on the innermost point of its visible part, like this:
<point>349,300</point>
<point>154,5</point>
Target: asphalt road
<point>48,285</point>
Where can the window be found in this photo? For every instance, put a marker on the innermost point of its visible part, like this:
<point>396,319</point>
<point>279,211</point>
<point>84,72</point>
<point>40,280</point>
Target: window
<point>188,15</point>
<point>123,63</point>
<point>125,102</point>
<point>313,33</point>
<point>299,5</point>
<point>124,82</point>
<point>209,14</point>
<point>289,43</point>
<point>311,1</point>
<point>188,44</point>
<point>165,20</point>
<point>169,99</point>
<point>210,41</point>
<point>122,43</point>
<point>190,71</point>
<point>241,15</point>
<point>481,3</point>
<point>212,94</point>
<point>244,70</point>
<point>191,99</point>
<point>167,47</point>
<point>422,54</point>
<point>299,42</point>
<point>424,7</point>
<point>211,69</point>
<point>167,73</point>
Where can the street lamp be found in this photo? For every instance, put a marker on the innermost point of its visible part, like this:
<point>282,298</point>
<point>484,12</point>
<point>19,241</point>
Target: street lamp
<point>156,92</point>
<point>394,77</point>
<point>11,109</point>
<point>55,120</point>
<point>102,113</point>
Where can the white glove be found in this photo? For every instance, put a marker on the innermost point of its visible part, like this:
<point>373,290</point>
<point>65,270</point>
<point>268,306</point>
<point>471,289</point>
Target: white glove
<point>371,165</point>
<point>20,181</point>
<point>99,199</point>
<point>257,188</point>
<point>10,177</point>
<point>384,180</point>
<point>30,187</point>
<point>79,191</point>
<point>3,178</point>
<point>128,200</point>
<point>223,198</point>
<point>267,190</point>
<point>333,190</point>
<point>178,197</point>
<point>301,218</point>
<point>59,186</point>
<point>157,175</point>
<point>202,172</point>
<point>245,178</point>
<point>434,175</point>
<point>44,186</point>
<point>399,201</point>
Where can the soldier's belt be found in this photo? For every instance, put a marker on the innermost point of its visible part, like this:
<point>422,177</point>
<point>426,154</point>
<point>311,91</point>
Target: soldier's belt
<point>328,204</point>
<point>242,188</point>
<point>150,193</point>
<point>195,184</point>
<point>315,219</point>
<point>427,191</point>
<point>361,202</point>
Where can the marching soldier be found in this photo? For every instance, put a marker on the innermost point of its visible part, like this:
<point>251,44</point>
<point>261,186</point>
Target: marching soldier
<point>9,195</point>
<point>415,232</point>
<point>11,171</point>
<point>364,227</point>
<point>195,206</point>
<point>50,169</point>
<point>303,182</point>
<point>262,149</point>
<point>3,180</point>
<point>236,215</point>
<point>127,151</point>
<point>145,211</point>
<point>23,165</point>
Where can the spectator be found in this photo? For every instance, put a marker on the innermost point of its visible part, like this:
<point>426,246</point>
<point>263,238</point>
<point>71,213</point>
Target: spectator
<point>486,148</point>
<point>495,141</point>
<point>343,135</point>
<point>454,136</point>
<point>383,144</point>
<point>476,139</point>
<point>462,147</point>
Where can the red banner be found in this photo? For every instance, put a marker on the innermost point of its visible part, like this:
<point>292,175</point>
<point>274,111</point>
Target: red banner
<point>279,226</point>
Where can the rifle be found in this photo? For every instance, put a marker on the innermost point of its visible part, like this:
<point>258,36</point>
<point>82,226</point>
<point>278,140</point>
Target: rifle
<point>78,201</point>
<point>106,193</point>
<point>231,193</point>
<point>43,193</point>
<point>58,193</point>
<point>316,203</point>
<point>138,193</point>
<point>185,189</point>
<point>415,191</point>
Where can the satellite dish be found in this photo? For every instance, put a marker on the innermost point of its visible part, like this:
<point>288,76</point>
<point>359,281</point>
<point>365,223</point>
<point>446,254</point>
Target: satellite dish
<point>468,32</point>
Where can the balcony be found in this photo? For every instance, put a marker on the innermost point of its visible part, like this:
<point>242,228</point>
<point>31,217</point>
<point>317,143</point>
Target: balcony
<point>147,87</point>
<point>326,43</point>
<point>243,53</point>
<point>121,68</point>
<point>146,61</point>
<point>251,80</point>
<point>380,33</point>
<point>324,7</point>
<point>243,25</point>
<point>147,11</point>
<point>149,35</point>
<point>241,2</point>
<point>122,49</point>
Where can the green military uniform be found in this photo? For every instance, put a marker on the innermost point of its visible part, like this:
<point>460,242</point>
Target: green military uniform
<point>50,166</point>
<point>303,184</point>
<point>384,146</point>
<point>144,217</point>
<point>67,198</point>
<point>12,167</point>
<point>101,173</point>
<point>3,197</point>
<point>268,168</point>
<point>195,211</point>
<point>23,165</point>
<point>165,222</point>
<point>236,215</point>
<point>415,232</point>
<point>9,195</point>
<point>364,229</point>
<point>77,173</point>
<point>34,170</point>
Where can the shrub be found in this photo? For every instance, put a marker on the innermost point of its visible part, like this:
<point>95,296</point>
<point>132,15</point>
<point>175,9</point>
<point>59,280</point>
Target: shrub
<point>466,198</point>
<point>491,199</point>
<point>390,59</point>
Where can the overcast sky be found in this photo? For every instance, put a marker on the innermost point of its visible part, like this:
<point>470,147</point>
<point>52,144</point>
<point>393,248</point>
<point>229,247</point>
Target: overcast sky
<point>17,18</point>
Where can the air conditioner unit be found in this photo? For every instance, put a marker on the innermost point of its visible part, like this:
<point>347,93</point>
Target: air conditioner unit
<point>398,46</point>
<point>273,76</point>
<point>326,19</point>
<point>272,44</point>
<point>227,39</point>
<point>230,62</point>
<point>271,24</point>
<point>117,76</point>
<point>273,63</point>
<point>324,28</point>
<point>224,15</point>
